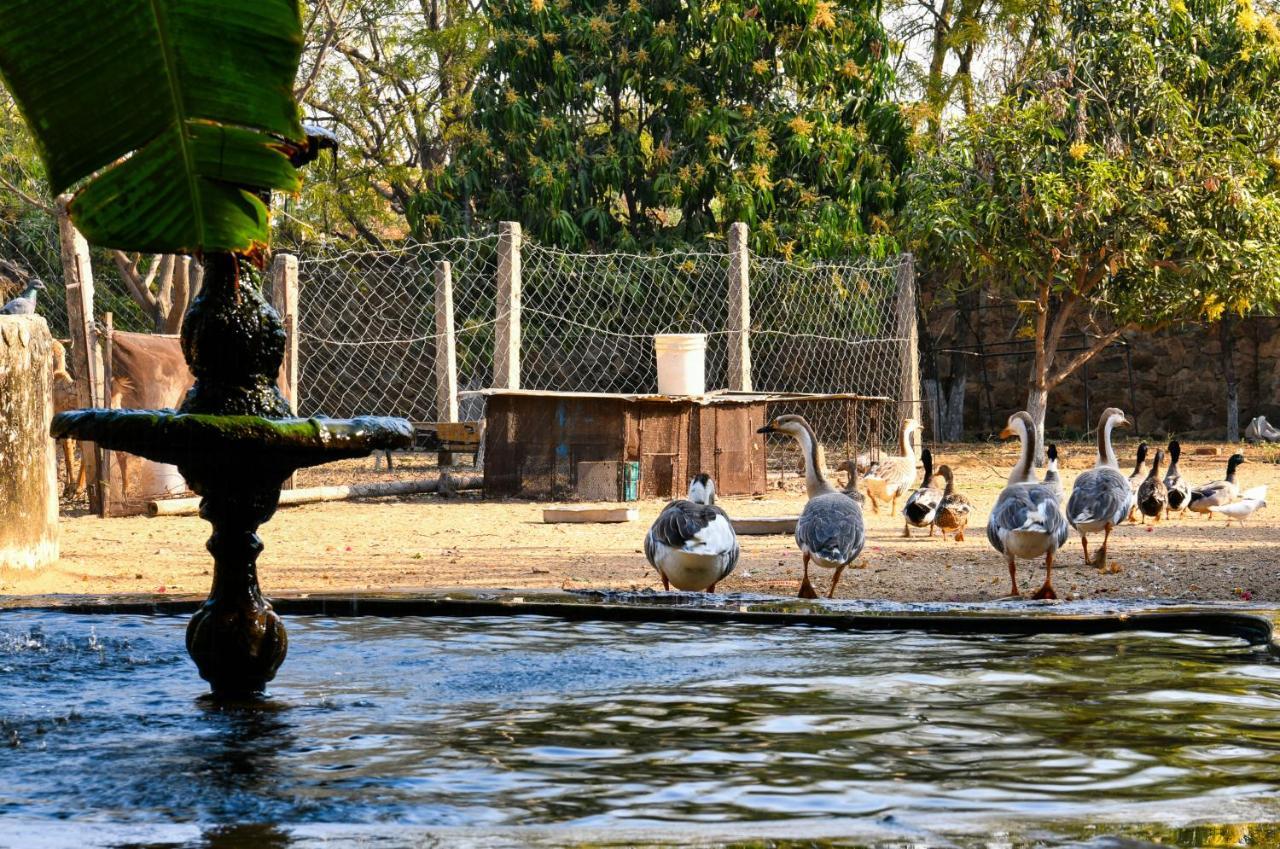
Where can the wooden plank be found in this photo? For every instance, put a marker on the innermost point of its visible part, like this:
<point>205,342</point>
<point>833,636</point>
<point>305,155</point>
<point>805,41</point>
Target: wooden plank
<point>590,515</point>
<point>86,361</point>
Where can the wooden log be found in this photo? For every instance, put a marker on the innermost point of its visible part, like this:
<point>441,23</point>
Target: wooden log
<point>317,494</point>
<point>28,468</point>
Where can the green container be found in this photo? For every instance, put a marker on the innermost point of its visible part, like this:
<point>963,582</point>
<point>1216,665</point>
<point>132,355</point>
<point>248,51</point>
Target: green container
<point>629,480</point>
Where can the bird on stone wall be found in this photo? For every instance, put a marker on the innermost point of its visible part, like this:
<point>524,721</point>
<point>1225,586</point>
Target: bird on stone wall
<point>24,304</point>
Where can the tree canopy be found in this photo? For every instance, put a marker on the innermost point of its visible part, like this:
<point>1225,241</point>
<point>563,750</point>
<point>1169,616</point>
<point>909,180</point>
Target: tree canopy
<point>625,124</point>
<point>1131,179</point>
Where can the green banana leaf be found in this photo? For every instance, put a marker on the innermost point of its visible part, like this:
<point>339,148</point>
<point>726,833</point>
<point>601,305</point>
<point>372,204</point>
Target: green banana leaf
<point>168,116</point>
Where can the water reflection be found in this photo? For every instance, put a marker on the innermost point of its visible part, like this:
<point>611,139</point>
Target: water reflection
<point>503,723</point>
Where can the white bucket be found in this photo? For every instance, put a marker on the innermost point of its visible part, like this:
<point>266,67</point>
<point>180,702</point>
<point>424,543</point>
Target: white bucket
<point>682,363</point>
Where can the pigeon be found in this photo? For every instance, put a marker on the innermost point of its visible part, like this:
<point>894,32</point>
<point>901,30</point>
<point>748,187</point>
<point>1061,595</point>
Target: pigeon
<point>1237,511</point>
<point>24,304</point>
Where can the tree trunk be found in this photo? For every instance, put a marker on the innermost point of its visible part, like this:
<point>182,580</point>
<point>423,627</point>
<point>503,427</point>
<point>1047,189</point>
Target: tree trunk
<point>1226,349</point>
<point>1037,404</point>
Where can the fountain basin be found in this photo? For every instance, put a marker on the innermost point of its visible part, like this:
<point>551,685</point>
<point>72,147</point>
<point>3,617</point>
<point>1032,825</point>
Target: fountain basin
<point>537,730</point>
<point>252,442</point>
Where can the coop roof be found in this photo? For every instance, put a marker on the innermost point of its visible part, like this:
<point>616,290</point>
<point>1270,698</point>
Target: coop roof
<point>719,397</point>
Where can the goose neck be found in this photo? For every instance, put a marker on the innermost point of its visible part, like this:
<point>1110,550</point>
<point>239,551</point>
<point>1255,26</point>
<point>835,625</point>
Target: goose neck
<point>815,481</point>
<point>1106,453</point>
<point>1026,462</point>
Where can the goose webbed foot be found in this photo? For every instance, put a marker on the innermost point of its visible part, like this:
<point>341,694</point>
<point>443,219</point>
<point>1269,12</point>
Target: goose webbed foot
<point>1046,591</point>
<point>906,530</point>
<point>806,589</point>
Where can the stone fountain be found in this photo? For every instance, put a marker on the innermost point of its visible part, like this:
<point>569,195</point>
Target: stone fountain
<point>235,442</point>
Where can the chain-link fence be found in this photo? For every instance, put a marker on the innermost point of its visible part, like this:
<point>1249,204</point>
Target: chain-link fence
<point>369,338</point>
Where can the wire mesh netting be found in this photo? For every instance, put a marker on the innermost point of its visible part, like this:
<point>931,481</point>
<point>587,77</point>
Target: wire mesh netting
<point>589,319</point>
<point>369,340</point>
<point>367,328</point>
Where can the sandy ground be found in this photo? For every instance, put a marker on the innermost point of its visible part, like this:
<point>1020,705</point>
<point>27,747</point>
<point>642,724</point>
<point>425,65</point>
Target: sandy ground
<point>426,541</point>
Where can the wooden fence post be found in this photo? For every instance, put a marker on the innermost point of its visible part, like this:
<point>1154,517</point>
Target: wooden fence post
<point>909,332</point>
<point>86,358</point>
<point>446,346</point>
<point>506,348</point>
<point>739,317</point>
<point>284,297</point>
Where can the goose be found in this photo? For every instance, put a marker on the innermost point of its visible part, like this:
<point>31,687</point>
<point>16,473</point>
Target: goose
<point>25,304</point>
<point>1052,478</point>
<point>922,505</point>
<point>892,476</point>
<point>1177,487</point>
<point>830,531</point>
<point>1100,497</point>
<point>850,467</point>
<point>953,512</point>
<point>692,543</point>
<point>1217,493</point>
<point>1135,481</point>
<point>1238,511</point>
<point>1026,521</point>
<point>1153,495</point>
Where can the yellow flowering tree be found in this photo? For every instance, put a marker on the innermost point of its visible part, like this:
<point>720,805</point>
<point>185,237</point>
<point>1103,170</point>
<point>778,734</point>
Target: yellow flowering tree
<point>1130,180</point>
<point>637,124</point>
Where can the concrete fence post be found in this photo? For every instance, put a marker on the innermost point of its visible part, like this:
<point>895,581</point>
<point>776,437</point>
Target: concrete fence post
<point>739,316</point>
<point>284,297</point>
<point>506,353</point>
<point>908,330</point>
<point>446,346</point>
<point>86,356</point>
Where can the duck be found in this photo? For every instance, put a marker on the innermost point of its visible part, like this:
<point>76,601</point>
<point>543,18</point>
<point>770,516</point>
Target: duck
<point>892,476</point>
<point>1153,495</point>
<point>1100,497</point>
<point>1237,511</point>
<point>1136,479</point>
<point>692,543</point>
<point>830,531</point>
<point>850,467</point>
<point>1052,478</point>
<point>1026,521</point>
<point>953,512</point>
<point>1177,487</point>
<point>1217,493</point>
<point>922,505</point>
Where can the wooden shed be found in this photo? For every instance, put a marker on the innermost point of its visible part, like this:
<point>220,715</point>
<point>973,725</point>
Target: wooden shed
<point>534,440</point>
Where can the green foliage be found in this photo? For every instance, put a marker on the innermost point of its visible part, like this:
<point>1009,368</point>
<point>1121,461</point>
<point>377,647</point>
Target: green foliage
<point>169,116</point>
<point>1134,171</point>
<point>629,124</point>
<point>393,79</point>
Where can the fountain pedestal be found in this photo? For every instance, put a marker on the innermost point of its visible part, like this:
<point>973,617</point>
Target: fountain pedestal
<point>235,443</point>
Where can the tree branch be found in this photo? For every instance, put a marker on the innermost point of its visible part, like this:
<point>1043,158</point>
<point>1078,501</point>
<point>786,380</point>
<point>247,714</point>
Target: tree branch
<point>1084,356</point>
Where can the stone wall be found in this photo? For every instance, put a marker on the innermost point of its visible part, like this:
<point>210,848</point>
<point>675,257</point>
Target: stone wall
<point>1170,380</point>
<point>28,471</point>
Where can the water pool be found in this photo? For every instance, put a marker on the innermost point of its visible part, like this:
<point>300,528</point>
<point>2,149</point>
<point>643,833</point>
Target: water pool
<point>525,730</point>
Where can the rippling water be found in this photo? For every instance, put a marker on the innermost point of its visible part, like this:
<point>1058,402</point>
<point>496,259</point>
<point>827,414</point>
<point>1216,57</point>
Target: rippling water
<point>528,730</point>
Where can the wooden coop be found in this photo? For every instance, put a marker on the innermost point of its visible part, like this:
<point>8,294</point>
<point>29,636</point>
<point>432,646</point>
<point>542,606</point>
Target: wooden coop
<point>552,445</point>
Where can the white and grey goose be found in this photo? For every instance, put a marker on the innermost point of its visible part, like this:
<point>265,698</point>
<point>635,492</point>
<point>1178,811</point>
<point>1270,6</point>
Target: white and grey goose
<point>830,530</point>
<point>922,505</point>
<point>1100,497</point>
<point>891,477</point>
<point>1052,477</point>
<point>692,543</point>
<point>1026,522</point>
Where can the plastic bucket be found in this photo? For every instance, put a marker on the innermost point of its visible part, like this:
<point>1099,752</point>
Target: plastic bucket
<point>682,363</point>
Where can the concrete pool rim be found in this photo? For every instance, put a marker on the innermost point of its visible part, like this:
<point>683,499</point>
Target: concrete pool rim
<point>1252,624</point>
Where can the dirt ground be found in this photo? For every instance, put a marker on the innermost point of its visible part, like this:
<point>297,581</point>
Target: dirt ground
<point>426,541</point>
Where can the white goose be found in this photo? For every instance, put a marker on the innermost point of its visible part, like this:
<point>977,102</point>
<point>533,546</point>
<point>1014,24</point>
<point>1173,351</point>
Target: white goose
<point>1026,521</point>
<point>922,505</point>
<point>830,531</point>
<point>692,543</point>
<point>1100,497</point>
<point>892,476</point>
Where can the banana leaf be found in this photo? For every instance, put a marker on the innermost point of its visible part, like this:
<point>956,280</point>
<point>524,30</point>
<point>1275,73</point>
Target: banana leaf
<point>172,119</point>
